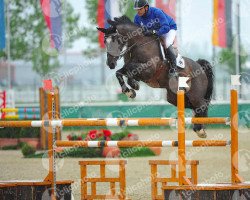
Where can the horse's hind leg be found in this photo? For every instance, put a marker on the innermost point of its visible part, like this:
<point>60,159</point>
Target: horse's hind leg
<point>119,75</point>
<point>200,128</point>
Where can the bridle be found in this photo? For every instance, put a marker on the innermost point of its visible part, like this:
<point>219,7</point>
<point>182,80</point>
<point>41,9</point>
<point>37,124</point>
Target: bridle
<point>128,49</point>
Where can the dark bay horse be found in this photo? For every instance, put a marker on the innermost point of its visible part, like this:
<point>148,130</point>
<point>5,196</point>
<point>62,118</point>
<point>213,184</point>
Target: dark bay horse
<point>143,61</point>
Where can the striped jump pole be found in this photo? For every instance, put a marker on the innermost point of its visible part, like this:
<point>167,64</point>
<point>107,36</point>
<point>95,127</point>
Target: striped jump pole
<point>21,110</point>
<point>20,113</point>
<point>23,116</point>
<point>112,122</point>
<point>160,143</point>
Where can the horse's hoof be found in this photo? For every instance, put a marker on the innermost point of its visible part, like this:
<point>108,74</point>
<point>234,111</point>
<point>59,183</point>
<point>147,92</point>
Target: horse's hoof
<point>125,90</point>
<point>131,94</point>
<point>201,133</point>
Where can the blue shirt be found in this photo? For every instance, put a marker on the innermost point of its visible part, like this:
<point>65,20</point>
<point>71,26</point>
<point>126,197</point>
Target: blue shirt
<point>157,20</point>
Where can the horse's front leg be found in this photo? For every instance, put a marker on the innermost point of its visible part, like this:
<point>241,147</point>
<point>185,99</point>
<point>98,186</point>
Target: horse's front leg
<point>132,82</point>
<point>119,75</point>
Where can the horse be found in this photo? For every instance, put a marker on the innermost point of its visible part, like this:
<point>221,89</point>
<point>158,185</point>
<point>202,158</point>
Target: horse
<point>144,61</point>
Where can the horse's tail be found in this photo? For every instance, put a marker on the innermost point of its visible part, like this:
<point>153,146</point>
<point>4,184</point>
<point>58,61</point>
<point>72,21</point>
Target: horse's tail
<point>207,67</point>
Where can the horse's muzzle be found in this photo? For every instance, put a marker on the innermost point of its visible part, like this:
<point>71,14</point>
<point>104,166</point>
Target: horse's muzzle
<point>111,65</point>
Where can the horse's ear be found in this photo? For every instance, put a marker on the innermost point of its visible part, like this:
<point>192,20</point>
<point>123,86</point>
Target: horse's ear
<point>112,23</point>
<point>103,30</point>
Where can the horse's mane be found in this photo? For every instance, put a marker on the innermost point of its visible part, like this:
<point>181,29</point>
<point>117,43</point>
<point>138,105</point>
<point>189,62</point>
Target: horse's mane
<point>123,20</point>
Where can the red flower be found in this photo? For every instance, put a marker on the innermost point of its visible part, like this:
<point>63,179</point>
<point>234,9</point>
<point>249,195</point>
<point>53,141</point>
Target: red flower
<point>79,138</point>
<point>99,135</point>
<point>92,134</point>
<point>130,135</point>
<point>69,137</point>
<point>107,133</point>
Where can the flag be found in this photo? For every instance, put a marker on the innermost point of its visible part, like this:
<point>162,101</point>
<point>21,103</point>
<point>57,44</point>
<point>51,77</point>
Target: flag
<point>52,11</point>
<point>106,9</point>
<point>2,25</point>
<point>222,23</point>
<point>3,103</point>
<point>168,6</point>
<point>101,21</point>
<point>47,84</point>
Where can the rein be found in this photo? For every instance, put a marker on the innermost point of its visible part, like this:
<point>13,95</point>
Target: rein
<point>131,47</point>
<point>122,53</point>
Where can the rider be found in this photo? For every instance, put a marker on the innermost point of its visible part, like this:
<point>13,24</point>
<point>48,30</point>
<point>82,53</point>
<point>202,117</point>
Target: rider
<point>156,22</point>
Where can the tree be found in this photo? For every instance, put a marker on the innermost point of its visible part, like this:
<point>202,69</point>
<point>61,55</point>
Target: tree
<point>228,57</point>
<point>29,36</point>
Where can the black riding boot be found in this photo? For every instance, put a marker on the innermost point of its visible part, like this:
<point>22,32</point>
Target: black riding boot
<point>172,57</point>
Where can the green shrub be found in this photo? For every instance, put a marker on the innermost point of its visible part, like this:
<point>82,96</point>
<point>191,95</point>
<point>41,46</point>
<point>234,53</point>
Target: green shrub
<point>82,153</point>
<point>37,155</point>
<point>21,144</point>
<point>12,132</point>
<point>29,132</point>
<point>136,152</point>
<point>28,150</point>
<point>119,136</point>
<point>12,147</point>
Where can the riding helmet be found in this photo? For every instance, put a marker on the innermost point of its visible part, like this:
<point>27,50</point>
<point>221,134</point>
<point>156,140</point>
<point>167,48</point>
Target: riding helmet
<point>140,4</point>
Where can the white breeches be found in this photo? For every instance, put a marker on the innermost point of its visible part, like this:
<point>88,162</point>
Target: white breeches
<point>169,38</point>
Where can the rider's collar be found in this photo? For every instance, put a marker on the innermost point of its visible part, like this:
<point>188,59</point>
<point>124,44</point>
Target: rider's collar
<point>148,13</point>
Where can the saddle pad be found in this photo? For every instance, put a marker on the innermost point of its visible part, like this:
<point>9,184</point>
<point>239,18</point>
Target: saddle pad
<point>180,61</point>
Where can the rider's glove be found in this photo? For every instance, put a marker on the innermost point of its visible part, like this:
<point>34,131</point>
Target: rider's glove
<point>149,32</point>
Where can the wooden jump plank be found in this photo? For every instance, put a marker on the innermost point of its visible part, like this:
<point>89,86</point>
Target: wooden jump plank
<point>15,183</point>
<point>172,162</point>
<point>101,162</point>
<point>86,179</point>
<point>222,186</point>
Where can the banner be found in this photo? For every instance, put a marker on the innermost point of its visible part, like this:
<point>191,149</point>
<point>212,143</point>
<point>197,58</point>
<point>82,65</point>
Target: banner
<point>2,26</point>
<point>168,6</point>
<point>106,9</point>
<point>52,11</point>
<point>222,23</point>
<point>101,21</point>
